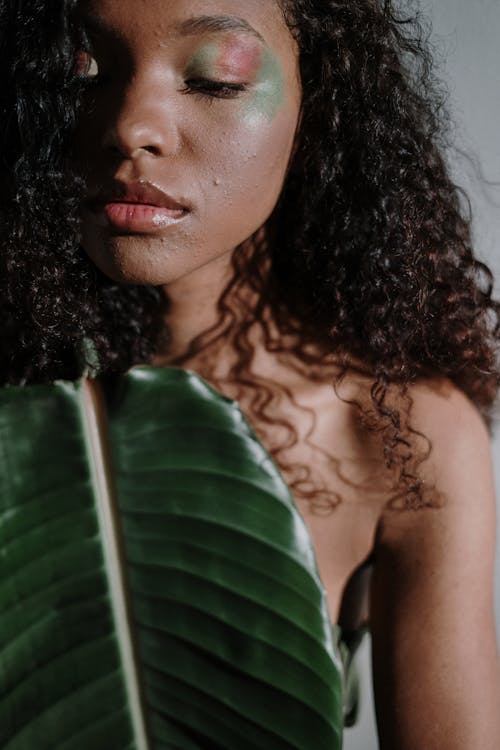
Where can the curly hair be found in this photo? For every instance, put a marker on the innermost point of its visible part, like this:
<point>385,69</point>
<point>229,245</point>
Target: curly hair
<point>367,255</point>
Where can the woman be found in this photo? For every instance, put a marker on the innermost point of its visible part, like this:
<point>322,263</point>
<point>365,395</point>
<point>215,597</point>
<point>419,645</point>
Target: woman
<point>264,200</point>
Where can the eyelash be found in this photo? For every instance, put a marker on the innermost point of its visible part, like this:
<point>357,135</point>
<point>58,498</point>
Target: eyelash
<point>203,87</point>
<point>209,89</point>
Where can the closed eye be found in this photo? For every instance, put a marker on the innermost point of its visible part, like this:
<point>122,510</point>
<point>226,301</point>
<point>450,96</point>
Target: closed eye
<point>213,89</point>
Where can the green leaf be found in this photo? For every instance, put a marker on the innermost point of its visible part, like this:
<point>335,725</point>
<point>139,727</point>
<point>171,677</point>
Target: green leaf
<point>158,586</point>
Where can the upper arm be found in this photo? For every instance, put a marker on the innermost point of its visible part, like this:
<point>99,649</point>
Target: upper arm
<point>435,658</point>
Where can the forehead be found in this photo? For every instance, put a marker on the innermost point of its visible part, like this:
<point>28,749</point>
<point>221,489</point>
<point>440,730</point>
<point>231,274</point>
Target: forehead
<point>169,19</point>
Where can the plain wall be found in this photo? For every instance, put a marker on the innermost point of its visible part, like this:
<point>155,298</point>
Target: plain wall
<point>466,34</point>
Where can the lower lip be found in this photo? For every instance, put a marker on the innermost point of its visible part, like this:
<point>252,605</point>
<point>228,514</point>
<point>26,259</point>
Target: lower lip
<point>140,217</point>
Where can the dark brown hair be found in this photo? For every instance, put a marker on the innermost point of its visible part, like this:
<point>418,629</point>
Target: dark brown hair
<point>367,255</point>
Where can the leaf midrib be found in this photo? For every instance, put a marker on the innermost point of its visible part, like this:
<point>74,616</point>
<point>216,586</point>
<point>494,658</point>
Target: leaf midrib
<point>93,416</point>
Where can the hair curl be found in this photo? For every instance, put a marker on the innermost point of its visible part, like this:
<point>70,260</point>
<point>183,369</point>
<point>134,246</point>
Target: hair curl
<point>367,254</point>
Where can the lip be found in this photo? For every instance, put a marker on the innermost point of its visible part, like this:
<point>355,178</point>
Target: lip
<point>137,207</point>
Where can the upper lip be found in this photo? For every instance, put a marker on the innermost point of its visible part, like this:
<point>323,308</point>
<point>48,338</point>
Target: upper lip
<point>139,191</point>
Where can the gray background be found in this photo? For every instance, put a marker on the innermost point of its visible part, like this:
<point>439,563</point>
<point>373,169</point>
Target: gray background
<point>466,36</point>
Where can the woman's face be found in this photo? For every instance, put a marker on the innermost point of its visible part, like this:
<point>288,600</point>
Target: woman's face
<point>192,101</point>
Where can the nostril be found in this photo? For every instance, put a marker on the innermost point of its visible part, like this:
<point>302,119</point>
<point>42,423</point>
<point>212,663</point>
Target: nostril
<point>127,148</point>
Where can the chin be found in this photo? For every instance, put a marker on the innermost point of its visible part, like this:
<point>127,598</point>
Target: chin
<point>128,261</point>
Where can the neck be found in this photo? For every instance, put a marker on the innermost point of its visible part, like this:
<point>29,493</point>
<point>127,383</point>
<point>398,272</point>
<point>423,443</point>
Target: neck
<point>193,307</point>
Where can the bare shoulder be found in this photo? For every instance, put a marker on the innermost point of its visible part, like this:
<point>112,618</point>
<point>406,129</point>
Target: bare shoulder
<point>459,526</point>
<point>436,422</point>
<point>457,471</point>
<point>431,601</point>
<point>449,419</point>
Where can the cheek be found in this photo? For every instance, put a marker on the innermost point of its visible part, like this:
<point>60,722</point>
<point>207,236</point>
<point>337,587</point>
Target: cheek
<point>253,158</point>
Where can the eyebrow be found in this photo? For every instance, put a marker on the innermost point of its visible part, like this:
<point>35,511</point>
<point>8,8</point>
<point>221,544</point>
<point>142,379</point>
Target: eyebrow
<point>189,27</point>
<point>212,24</point>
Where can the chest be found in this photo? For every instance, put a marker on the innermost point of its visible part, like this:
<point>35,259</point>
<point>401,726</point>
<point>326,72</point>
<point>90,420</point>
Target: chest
<point>334,484</point>
<point>343,542</point>
<point>331,468</point>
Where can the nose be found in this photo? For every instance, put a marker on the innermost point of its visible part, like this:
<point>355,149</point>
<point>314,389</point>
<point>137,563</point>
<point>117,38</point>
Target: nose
<point>143,120</point>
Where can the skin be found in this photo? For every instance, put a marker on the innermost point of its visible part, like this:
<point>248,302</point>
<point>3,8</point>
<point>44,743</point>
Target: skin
<point>429,602</point>
<point>218,153</point>
<point>231,57</point>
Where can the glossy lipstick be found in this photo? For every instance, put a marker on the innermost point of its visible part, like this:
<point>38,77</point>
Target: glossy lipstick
<point>137,208</point>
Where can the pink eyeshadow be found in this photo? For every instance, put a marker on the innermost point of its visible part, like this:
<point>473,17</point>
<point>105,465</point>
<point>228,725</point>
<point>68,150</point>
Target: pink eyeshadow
<point>238,58</point>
